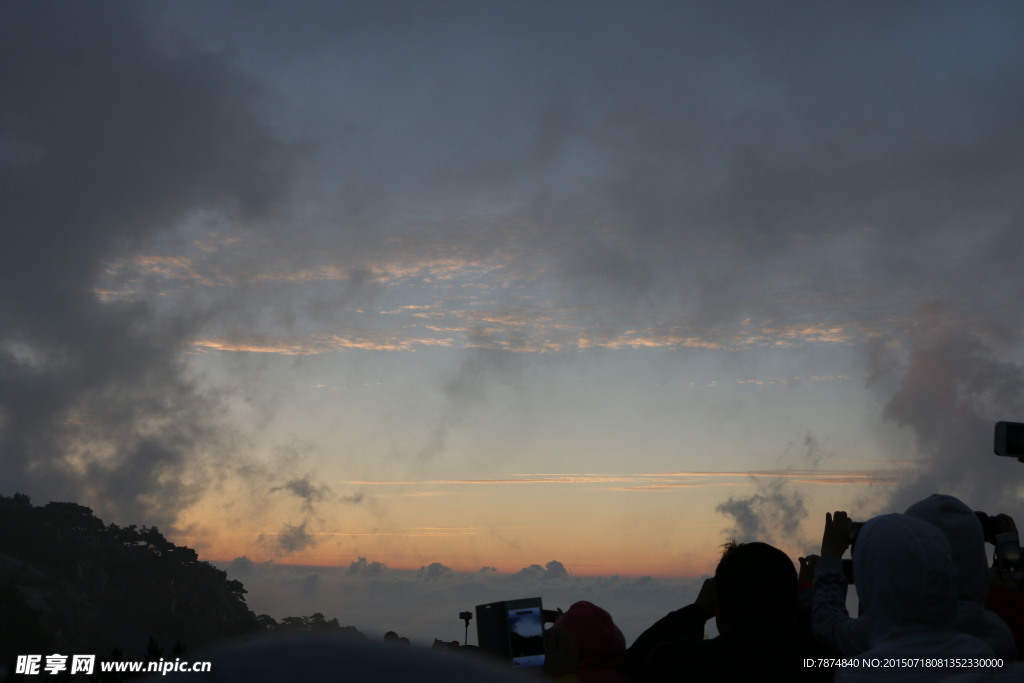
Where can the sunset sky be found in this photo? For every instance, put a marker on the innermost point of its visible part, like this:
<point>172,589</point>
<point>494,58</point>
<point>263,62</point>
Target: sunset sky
<point>493,284</point>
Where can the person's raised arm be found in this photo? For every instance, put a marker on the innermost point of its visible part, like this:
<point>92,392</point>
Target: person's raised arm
<point>830,621</point>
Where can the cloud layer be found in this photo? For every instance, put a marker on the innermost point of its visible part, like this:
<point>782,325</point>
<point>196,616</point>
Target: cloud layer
<point>112,134</point>
<point>201,202</point>
<point>424,604</point>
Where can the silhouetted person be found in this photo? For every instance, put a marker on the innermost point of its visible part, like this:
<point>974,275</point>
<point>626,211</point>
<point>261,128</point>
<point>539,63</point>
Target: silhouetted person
<point>1004,597</point>
<point>753,598</point>
<point>586,642</point>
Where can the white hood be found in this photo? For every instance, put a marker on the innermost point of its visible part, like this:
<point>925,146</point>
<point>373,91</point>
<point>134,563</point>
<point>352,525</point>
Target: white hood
<point>966,541</point>
<point>905,576</point>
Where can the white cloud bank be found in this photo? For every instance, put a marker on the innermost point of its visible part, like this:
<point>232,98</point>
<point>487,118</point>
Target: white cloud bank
<point>424,604</point>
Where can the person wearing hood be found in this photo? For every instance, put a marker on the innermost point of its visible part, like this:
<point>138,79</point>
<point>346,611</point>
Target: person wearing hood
<point>585,645</point>
<point>962,529</point>
<point>963,532</point>
<point>907,585</point>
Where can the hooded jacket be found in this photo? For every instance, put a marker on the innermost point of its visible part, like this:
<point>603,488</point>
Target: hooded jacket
<point>599,643</point>
<point>967,545</point>
<point>962,530</point>
<point>907,583</point>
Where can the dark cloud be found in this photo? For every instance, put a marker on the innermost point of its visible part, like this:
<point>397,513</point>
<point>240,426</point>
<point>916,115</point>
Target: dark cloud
<point>775,510</point>
<point>305,491</point>
<point>772,514</point>
<point>952,390</point>
<point>111,133</point>
<point>709,137</point>
<point>434,570</point>
<point>702,162</point>
<point>813,452</point>
<point>469,386</point>
<point>552,570</point>
<point>292,539</point>
<point>361,567</point>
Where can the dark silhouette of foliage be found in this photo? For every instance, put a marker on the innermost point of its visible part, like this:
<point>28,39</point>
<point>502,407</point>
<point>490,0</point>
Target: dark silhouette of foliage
<point>20,628</point>
<point>315,622</point>
<point>71,583</point>
<point>267,622</point>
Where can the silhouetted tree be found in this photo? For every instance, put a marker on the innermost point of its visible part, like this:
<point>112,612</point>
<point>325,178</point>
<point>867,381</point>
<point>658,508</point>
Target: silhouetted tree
<point>90,581</point>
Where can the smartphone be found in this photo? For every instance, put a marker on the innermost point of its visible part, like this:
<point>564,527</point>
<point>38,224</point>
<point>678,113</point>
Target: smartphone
<point>1010,439</point>
<point>848,571</point>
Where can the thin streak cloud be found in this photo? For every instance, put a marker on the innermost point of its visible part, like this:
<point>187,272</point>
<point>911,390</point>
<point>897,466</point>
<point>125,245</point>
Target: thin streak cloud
<point>662,481</point>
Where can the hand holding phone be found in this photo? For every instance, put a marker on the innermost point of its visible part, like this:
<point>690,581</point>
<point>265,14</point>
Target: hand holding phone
<point>836,537</point>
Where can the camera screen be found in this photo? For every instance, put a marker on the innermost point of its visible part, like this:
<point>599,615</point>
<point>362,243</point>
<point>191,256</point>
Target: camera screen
<point>526,636</point>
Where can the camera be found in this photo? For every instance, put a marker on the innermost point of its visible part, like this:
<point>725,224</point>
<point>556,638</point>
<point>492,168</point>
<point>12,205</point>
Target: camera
<point>1009,439</point>
<point>1007,555</point>
<point>512,630</point>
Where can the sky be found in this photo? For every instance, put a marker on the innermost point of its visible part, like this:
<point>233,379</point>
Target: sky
<point>492,285</point>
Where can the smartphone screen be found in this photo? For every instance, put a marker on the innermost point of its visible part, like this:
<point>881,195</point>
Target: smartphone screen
<point>512,631</point>
<point>526,636</point>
